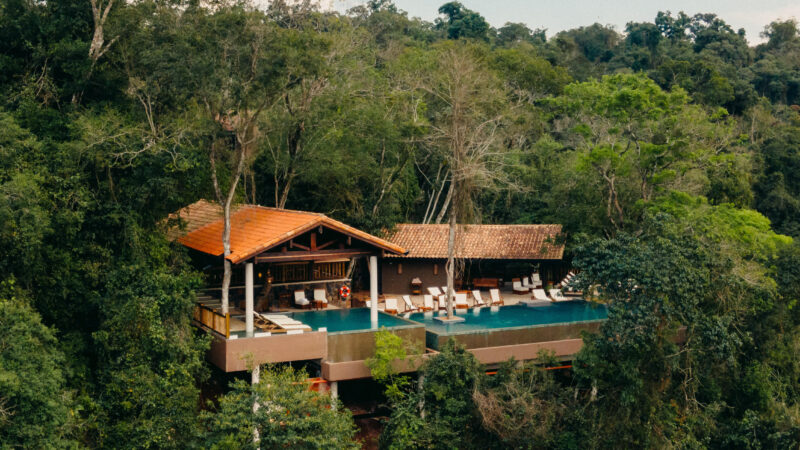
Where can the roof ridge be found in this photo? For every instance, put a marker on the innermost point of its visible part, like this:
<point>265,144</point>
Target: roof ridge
<point>482,224</point>
<point>273,208</point>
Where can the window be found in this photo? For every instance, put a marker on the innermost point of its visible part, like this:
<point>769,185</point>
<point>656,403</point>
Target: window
<point>400,268</point>
<point>436,269</point>
<point>330,270</point>
<point>289,272</point>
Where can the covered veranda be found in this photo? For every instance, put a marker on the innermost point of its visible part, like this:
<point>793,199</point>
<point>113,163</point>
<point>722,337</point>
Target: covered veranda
<point>282,260</point>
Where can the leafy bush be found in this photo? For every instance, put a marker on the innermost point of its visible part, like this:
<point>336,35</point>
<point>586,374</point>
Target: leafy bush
<point>284,413</point>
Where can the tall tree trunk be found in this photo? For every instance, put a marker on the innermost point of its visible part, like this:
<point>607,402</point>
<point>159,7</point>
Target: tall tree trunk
<point>281,202</point>
<point>433,200</point>
<point>446,203</point>
<point>98,46</point>
<point>226,202</point>
<point>451,260</point>
<point>226,245</point>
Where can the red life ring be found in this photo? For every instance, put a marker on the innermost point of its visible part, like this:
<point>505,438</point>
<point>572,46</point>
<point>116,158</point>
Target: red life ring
<point>344,292</point>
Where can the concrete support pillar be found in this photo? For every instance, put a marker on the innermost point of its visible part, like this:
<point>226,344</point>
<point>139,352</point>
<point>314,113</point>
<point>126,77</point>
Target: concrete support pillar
<point>248,298</point>
<point>373,290</point>
<point>334,393</point>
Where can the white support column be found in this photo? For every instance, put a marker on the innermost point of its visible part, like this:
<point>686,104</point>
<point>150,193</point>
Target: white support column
<point>248,298</point>
<point>334,393</point>
<point>373,290</point>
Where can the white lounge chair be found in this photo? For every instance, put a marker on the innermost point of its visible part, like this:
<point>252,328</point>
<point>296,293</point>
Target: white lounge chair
<point>369,305</point>
<point>391,306</point>
<point>539,294</point>
<point>409,304</point>
<point>427,303</point>
<point>558,296</point>
<point>320,299</point>
<point>300,299</point>
<point>476,294</point>
<point>494,294</point>
<point>566,279</point>
<point>285,322</point>
<point>517,287</point>
<point>536,281</point>
<point>461,301</point>
<point>526,283</point>
<point>437,294</point>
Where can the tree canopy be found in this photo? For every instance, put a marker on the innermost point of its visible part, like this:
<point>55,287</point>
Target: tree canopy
<point>668,150</point>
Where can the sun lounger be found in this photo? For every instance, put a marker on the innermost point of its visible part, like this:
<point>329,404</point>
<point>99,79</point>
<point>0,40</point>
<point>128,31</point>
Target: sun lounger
<point>391,306</point>
<point>320,299</point>
<point>558,296</point>
<point>284,322</point>
<point>437,294</point>
<point>461,301</point>
<point>409,304</point>
<point>427,303</point>
<point>478,299</point>
<point>539,294</point>
<point>280,319</point>
<point>494,294</point>
<point>300,328</point>
<point>566,279</point>
<point>368,303</point>
<point>517,287</point>
<point>539,299</point>
<point>300,299</point>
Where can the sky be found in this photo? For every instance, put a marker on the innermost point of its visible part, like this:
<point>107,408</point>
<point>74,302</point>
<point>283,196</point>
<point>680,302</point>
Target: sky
<point>559,15</point>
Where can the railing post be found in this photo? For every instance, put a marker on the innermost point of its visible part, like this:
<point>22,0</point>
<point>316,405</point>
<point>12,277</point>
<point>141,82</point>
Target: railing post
<point>227,325</point>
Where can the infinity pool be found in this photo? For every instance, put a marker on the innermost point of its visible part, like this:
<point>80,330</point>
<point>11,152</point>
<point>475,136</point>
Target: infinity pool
<point>515,316</point>
<point>347,320</point>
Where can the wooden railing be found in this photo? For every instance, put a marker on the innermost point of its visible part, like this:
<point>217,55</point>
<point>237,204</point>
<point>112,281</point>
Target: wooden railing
<point>210,318</point>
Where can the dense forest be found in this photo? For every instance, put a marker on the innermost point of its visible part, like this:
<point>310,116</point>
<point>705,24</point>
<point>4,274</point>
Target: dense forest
<point>669,151</point>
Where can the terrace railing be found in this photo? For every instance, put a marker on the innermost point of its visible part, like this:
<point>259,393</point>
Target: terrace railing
<point>210,318</point>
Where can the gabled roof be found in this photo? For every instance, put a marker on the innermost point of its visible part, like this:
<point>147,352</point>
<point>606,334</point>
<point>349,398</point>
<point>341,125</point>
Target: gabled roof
<point>255,229</point>
<point>480,241</point>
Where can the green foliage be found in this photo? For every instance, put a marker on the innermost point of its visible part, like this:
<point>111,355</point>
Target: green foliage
<point>443,414</point>
<point>391,351</point>
<point>36,410</point>
<point>666,279</point>
<point>288,414</point>
<point>526,407</point>
<point>747,230</point>
<point>460,22</point>
<point>616,135</point>
<point>778,186</point>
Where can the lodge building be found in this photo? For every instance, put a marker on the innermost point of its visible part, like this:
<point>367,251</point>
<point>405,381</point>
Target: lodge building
<point>285,261</point>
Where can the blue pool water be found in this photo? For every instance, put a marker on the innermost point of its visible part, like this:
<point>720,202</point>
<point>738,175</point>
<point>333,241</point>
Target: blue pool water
<point>514,316</point>
<point>343,320</point>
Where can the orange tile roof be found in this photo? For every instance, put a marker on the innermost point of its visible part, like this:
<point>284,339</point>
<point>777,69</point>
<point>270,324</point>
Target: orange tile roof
<point>480,241</point>
<point>255,229</point>
<point>194,216</point>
